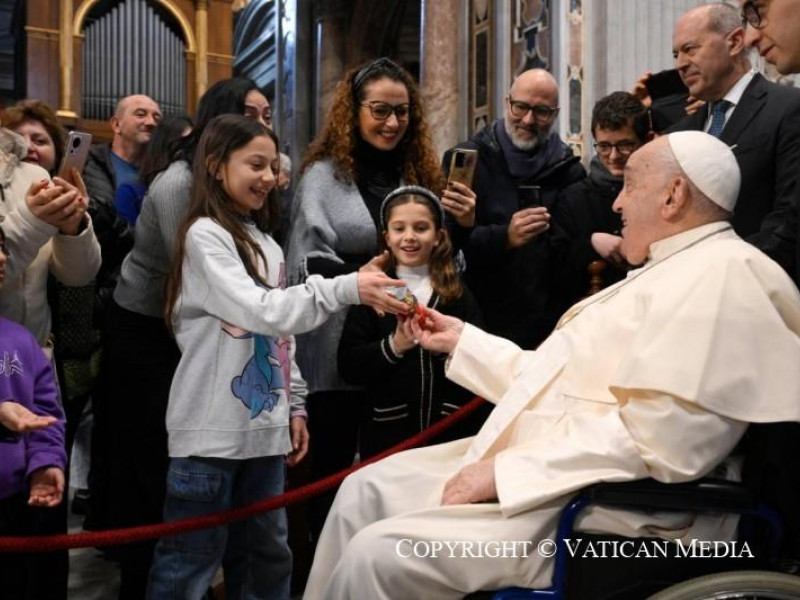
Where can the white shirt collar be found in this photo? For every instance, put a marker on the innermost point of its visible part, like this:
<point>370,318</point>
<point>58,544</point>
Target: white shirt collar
<point>668,246</point>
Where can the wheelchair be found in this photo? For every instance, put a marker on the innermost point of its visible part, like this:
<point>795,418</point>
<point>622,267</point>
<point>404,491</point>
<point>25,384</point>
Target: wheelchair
<point>576,577</point>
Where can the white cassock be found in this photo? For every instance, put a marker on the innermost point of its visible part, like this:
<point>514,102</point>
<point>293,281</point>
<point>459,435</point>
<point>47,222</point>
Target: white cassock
<point>656,376</point>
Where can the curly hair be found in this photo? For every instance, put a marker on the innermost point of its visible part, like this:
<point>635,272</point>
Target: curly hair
<point>338,138</point>
<point>36,110</point>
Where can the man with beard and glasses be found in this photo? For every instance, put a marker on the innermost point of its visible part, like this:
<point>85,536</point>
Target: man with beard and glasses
<point>522,165</point>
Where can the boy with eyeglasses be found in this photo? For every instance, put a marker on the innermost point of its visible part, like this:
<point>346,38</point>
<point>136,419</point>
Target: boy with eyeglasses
<point>585,228</point>
<point>507,250</point>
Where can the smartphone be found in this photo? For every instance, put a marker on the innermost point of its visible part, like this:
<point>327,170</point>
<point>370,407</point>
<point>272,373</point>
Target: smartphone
<point>666,83</point>
<point>462,166</point>
<point>529,196</point>
<point>76,153</point>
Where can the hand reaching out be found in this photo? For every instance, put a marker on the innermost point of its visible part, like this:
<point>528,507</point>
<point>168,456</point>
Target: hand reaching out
<point>47,487</point>
<point>19,419</point>
<point>378,264</point>
<point>439,333</point>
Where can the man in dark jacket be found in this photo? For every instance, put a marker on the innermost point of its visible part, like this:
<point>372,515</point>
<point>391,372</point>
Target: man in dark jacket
<point>759,119</point>
<point>109,166</point>
<point>507,251</point>
<point>585,228</point>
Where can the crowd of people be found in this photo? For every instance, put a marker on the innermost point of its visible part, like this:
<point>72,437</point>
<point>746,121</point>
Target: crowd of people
<point>216,324</point>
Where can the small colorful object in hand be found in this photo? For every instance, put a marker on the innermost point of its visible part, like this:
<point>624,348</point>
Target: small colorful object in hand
<point>414,307</point>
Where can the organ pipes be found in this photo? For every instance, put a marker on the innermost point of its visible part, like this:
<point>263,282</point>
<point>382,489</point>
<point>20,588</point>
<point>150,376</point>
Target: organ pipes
<point>131,50</point>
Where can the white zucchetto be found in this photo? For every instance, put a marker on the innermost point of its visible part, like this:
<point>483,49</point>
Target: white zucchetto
<point>709,164</point>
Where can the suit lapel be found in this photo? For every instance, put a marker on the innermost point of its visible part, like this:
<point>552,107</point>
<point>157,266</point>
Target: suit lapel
<point>751,103</point>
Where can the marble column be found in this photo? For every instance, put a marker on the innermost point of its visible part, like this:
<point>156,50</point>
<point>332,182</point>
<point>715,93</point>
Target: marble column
<point>330,46</point>
<point>439,67</point>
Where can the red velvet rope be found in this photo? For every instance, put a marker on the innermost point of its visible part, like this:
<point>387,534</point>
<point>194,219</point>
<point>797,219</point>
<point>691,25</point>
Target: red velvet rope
<point>146,532</point>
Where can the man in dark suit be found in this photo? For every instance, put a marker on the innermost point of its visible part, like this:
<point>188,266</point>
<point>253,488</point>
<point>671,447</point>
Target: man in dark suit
<point>772,30</point>
<point>759,119</point>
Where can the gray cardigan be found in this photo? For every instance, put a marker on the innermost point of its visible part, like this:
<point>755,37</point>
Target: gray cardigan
<point>329,219</point>
<point>144,272</point>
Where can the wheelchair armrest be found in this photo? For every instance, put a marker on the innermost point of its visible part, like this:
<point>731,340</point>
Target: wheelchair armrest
<point>709,495</point>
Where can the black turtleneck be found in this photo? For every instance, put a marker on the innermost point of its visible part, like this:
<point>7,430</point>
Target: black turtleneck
<point>377,174</point>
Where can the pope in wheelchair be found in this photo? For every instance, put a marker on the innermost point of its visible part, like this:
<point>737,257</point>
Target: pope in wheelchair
<point>655,377</point>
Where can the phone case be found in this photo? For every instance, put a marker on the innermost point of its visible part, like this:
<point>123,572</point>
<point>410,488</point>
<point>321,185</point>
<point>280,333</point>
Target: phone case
<point>462,166</point>
<point>76,152</point>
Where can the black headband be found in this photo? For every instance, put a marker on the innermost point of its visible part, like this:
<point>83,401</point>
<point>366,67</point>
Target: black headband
<point>361,77</point>
<point>413,190</point>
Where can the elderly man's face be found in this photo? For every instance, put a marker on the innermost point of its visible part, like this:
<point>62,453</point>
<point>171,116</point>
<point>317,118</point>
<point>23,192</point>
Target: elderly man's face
<point>777,37</point>
<point>525,121</point>
<point>702,57</point>
<point>639,204</point>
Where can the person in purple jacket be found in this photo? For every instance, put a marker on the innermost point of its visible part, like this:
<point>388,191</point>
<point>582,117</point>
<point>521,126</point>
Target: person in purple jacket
<point>32,454</point>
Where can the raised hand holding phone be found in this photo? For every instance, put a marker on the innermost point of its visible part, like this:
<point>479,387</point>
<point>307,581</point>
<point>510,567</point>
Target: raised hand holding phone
<point>458,199</point>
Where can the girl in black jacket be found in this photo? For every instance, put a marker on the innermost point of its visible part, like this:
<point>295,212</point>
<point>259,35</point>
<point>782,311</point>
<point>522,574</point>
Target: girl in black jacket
<point>406,387</point>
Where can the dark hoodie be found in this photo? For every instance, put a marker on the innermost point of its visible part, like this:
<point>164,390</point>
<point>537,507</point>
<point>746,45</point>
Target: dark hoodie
<point>513,286</point>
<point>582,209</point>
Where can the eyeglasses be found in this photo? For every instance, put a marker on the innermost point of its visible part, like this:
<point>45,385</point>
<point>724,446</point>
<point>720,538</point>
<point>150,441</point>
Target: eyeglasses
<point>382,111</point>
<point>541,112</point>
<point>751,16</point>
<point>624,148</point>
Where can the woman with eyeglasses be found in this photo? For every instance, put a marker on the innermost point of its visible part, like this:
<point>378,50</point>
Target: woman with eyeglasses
<point>375,138</point>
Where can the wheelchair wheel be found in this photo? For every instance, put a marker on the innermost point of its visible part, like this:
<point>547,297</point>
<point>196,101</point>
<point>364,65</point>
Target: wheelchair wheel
<point>738,585</point>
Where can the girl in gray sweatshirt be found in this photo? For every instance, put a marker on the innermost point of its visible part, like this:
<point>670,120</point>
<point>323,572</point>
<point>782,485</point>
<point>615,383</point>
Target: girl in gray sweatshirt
<point>236,413</point>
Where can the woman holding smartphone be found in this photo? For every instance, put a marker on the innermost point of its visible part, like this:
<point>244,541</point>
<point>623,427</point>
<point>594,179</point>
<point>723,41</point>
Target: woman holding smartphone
<point>48,232</point>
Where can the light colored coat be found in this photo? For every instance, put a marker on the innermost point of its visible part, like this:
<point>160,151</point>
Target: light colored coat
<point>656,376</point>
<point>36,248</point>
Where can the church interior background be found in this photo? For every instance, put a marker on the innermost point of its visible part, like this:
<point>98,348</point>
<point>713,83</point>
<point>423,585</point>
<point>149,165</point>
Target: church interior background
<point>82,55</point>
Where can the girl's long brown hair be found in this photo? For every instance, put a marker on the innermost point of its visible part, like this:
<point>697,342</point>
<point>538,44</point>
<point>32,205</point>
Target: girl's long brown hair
<point>222,136</point>
<point>338,138</point>
<point>444,278</point>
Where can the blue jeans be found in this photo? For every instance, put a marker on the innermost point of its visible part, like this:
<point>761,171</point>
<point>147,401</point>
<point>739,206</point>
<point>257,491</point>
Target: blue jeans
<point>254,553</point>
